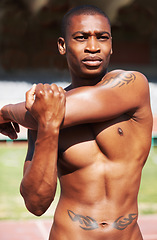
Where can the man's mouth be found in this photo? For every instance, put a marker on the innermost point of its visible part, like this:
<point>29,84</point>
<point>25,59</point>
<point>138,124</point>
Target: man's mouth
<point>92,61</point>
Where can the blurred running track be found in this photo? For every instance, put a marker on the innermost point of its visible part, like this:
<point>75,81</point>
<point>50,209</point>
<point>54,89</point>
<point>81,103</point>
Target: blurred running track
<point>39,229</point>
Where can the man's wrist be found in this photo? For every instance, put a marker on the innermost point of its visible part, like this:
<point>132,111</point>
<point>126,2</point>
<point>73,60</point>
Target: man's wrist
<point>47,130</point>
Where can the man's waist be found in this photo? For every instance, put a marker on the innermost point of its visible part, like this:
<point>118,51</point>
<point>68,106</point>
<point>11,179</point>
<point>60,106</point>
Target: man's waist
<point>98,221</point>
<point>101,213</point>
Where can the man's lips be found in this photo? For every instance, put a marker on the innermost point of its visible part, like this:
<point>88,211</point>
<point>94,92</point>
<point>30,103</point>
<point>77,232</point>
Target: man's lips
<point>92,61</point>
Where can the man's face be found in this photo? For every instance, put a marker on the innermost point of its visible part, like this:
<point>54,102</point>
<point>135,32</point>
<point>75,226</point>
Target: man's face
<point>88,45</point>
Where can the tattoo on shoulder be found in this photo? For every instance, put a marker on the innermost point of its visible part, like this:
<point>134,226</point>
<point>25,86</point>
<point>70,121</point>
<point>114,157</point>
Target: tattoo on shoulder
<point>86,223</point>
<point>89,223</point>
<point>119,80</point>
<point>121,223</point>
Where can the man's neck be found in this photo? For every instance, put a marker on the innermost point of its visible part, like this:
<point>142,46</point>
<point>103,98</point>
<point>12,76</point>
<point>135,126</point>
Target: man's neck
<point>80,82</point>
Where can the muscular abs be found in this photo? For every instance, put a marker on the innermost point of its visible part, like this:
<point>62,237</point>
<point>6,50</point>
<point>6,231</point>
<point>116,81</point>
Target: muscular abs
<point>98,182</point>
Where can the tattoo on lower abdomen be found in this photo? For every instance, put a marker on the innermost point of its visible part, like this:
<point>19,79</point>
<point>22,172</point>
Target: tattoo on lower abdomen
<point>121,223</point>
<point>119,80</point>
<point>86,223</point>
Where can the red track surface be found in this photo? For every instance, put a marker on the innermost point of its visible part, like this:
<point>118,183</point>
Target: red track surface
<point>39,230</point>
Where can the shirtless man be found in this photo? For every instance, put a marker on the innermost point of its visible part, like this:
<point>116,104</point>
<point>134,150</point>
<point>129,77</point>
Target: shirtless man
<point>103,123</point>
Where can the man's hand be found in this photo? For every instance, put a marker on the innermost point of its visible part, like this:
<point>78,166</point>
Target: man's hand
<point>9,129</point>
<point>46,103</point>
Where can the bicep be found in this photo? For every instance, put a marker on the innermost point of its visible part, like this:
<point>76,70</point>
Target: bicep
<point>92,105</point>
<point>105,101</point>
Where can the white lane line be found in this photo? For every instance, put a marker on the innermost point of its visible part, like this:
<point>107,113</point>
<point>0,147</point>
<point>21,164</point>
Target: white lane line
<point>43,230</point>
<point>150,237</point>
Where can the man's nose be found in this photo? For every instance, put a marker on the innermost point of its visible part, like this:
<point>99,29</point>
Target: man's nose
<point>92,45</point>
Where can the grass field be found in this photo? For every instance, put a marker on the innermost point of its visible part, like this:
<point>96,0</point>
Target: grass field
<point>11,166</point>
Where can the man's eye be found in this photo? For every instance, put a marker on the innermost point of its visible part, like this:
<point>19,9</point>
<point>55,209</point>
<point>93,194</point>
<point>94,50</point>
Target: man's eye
<point>79,38</point>
<point>103,37</point>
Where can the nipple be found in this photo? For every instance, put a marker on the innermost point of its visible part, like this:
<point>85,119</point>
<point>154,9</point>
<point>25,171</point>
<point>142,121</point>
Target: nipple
<point>120,131</point>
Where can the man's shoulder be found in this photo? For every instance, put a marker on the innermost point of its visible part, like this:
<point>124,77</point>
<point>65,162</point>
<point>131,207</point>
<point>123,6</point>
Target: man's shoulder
<point>121,77</point>
<point>121,73</point>
<point>129,88</point>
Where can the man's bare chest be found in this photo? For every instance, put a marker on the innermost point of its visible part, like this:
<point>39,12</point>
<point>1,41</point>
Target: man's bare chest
<point>77,144</point>
<point>83,144</point>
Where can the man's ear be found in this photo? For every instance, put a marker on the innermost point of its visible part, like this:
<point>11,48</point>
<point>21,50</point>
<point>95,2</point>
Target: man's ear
<point>61,45</point>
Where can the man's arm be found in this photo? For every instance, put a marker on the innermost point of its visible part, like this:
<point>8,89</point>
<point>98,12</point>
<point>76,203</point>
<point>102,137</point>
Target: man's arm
<point>119,92</point>
<point>39,182</point>
<point>19,114</point>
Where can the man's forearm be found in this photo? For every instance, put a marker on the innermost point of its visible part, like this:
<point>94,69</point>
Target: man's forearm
<point>39,183</point>
<point>18,113</point>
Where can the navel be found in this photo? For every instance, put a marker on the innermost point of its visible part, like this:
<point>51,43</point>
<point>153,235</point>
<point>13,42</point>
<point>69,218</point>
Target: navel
<point>103,224</point>
<point>120,131</point>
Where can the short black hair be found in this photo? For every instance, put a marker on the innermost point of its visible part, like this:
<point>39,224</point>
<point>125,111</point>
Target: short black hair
<point>79,10</point>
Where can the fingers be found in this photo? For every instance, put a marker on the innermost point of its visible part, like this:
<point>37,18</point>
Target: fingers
<point>54,87</point>
<point>62,93</point>
<point>60,90</point>
<point>46,89</point>
<point>39,90</point>
<point>43,92</point>
<point>30,97</point>
<point>8,130</point>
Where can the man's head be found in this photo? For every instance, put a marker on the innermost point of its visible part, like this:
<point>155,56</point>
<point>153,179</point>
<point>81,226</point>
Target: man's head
<point>86,42</point>
<point>80,10</point>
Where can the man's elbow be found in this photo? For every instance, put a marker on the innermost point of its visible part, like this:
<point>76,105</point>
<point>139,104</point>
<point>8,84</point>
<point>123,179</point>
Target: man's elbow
<point>35,210</point>
<point>36,204</point>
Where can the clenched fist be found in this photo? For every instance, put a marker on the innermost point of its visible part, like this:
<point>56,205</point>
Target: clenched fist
<point>46,103</point>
